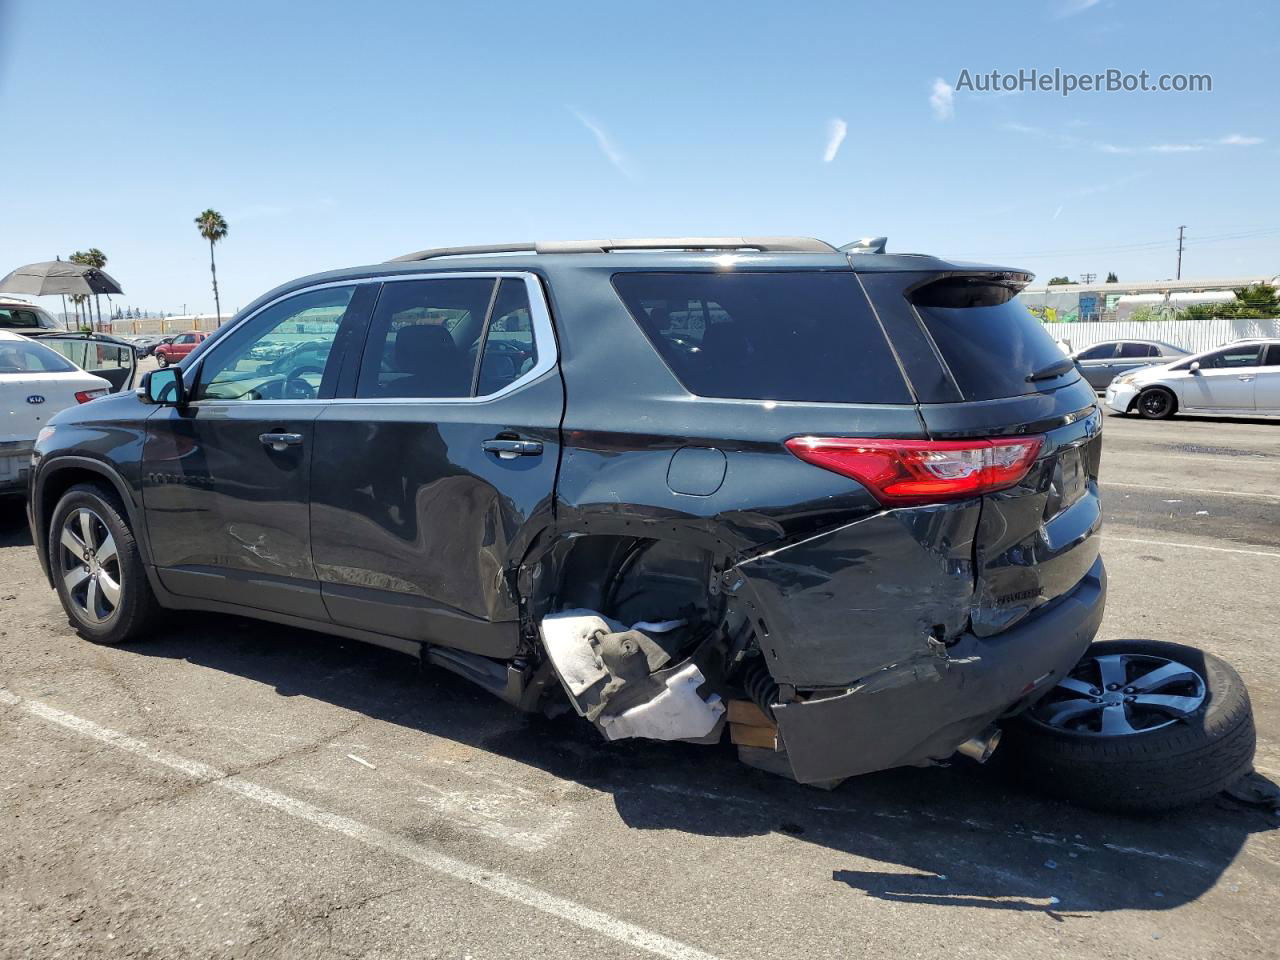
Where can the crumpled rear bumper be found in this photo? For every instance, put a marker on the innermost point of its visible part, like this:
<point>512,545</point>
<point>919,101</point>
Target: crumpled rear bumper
<point>922,710</point>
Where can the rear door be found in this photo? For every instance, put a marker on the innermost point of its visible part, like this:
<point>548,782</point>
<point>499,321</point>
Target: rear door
<point>114,362</point>
<point>1266,389</point>
<point>429,467</point>
<point>227,478</point>
<point>1038,540</point>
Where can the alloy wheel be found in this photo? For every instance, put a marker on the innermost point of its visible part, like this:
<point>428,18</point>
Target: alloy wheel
<point>1155,403</point>
<point>1120,694</point>
<point>90,566</point>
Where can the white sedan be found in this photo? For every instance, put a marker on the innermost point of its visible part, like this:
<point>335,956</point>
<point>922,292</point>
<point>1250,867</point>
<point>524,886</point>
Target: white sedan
<point>1240,378</point>
<point>36,382</point>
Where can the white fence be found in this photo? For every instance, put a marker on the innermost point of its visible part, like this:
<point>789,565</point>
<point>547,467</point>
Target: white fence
<point>1192,335</point>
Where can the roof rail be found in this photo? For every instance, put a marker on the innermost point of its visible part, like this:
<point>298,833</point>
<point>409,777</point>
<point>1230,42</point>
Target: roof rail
<point>761,244</point>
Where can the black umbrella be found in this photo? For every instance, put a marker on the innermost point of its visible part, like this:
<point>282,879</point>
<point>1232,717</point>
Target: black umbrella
<point>59,276</point>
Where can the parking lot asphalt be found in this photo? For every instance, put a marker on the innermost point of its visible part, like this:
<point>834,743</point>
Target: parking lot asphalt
<point>233,789</point>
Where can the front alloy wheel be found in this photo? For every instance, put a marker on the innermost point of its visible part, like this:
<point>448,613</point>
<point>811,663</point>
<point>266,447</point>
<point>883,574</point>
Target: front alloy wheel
<point>90,566</point>
<point>1155,403</point>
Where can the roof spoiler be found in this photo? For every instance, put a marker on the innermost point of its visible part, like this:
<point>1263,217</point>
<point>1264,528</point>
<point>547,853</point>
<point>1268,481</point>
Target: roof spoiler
<point>866,245</point>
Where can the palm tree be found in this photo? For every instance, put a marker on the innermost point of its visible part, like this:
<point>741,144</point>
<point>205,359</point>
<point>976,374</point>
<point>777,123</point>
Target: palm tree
<point>93,257</point>
<point>213,228</point>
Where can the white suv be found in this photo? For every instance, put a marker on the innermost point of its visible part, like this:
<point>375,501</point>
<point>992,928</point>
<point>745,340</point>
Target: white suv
<point>1240,378</point>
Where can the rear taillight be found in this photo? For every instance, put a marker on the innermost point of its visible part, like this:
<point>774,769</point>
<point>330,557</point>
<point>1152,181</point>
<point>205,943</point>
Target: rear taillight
<point>903,473</point>
<point>84,396</point>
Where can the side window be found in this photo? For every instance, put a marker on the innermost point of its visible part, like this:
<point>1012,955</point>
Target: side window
<point>425,337</point>
<point>1245,355</point>
<point>1131,350</point>
<point>1272,359</point>
<point>509,350</point>
<point>1102,351</point>
<point>281,354</point>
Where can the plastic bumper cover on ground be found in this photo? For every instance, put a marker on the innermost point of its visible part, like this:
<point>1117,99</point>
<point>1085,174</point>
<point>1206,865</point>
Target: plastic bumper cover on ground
<point>922,711</point>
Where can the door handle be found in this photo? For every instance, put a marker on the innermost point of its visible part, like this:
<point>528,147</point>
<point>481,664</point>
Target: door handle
<point>280,441</point>
<point>1248,379</point>
<point>510,449</point>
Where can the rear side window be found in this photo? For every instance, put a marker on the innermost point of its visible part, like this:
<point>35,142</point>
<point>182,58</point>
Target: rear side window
<point>1272,359</point>
<point>802,336</point>
<point>26,357</point>
<point>989,340</point>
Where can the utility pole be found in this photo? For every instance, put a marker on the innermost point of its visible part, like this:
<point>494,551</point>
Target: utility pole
<point>1180,229</point>
<point>1087,278</point>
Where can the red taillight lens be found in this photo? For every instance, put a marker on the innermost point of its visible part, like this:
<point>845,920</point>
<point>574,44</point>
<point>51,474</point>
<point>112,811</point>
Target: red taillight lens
<point>84,396</point>
<point>906,472</point>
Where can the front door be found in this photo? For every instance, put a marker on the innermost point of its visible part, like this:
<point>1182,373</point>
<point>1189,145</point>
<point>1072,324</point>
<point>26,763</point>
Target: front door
<point>1266,389</point>
<point>226,478</point>
<point>1225,380</point>
<point>426,477</point>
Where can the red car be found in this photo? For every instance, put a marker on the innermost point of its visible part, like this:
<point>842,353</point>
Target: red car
<point>178,347</point>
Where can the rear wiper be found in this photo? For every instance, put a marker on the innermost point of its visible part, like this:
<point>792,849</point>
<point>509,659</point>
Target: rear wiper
<point>1055,369</point>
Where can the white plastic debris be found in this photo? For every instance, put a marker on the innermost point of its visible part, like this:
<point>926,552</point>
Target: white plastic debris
<point>678,713</point>
<point>567,637</point>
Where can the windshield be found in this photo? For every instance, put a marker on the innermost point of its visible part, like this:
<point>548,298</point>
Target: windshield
<point>23,356</point>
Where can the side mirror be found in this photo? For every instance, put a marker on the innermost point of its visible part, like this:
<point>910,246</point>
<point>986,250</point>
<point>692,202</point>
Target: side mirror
<point>1195,366</point>
<point>164,387</point>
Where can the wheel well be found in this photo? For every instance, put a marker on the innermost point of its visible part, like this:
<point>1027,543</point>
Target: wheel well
<point>56,484</point>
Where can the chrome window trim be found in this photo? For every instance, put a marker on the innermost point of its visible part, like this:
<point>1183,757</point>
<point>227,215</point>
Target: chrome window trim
<point>544,339</point>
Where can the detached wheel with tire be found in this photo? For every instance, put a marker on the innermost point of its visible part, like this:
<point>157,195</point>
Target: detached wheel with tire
<point>97,568</point>
<point>1156,403</point>
<point>1137,726</point>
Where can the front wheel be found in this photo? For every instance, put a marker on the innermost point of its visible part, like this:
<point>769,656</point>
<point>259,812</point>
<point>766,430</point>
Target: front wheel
<point>162,359</point>
<point>1156,403</point>
<point>97,568</point>
<point>1137,725</point>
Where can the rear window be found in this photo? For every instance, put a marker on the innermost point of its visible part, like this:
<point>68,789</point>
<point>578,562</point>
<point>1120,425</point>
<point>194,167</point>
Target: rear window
<point>27,357</point>
<point>14,318</point>
<point>801,336</point>
<point>990,341</point>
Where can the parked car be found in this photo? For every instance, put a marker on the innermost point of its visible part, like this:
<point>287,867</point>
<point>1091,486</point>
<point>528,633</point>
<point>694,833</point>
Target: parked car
<point>174,349</point>
<point>1241,378</point>
<point>1103,362</point>
<point>36,382</point>
<point>845,503</point>
<point>22,316</point>
<point>143,343</point>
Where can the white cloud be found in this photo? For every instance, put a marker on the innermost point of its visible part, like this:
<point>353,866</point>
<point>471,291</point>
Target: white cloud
<point>1069,8</point>
<point>837,130</point>
<point>1057,212</point>
<point>1175,148</point>
<point>1236,140</point>
<point>942,99</point>
<point>606,145</point>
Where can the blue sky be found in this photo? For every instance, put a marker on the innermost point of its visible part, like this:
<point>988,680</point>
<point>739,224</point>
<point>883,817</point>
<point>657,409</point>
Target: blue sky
<point>332,134</point>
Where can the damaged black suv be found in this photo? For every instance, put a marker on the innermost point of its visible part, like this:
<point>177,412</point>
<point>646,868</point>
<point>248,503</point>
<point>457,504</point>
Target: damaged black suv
<point>841,502</point>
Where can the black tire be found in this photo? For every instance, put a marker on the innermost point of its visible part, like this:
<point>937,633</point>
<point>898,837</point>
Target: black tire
<point>1147,772</point>
<point>137,609</point>
<point>1156,403</point>
<point>162,360</point>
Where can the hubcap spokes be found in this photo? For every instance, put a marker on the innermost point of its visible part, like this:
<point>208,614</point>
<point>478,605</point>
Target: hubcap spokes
<point>90,566</point>
<point>1120,694</point>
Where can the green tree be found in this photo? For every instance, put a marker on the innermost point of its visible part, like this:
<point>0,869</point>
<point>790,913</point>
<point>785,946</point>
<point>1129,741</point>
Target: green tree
<point>1254,302</point>
<point>93,257</point>
<point>1055,281</point>
<point>1112,278</point>
<point>213,227</point>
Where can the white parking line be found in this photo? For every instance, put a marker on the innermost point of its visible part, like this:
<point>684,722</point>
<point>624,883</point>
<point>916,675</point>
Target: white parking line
<point>1192,546</point>
<point>488,879</point>
<point>1216,493</point>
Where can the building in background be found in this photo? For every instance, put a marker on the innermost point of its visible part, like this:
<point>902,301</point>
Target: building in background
<point>1091,302</point>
